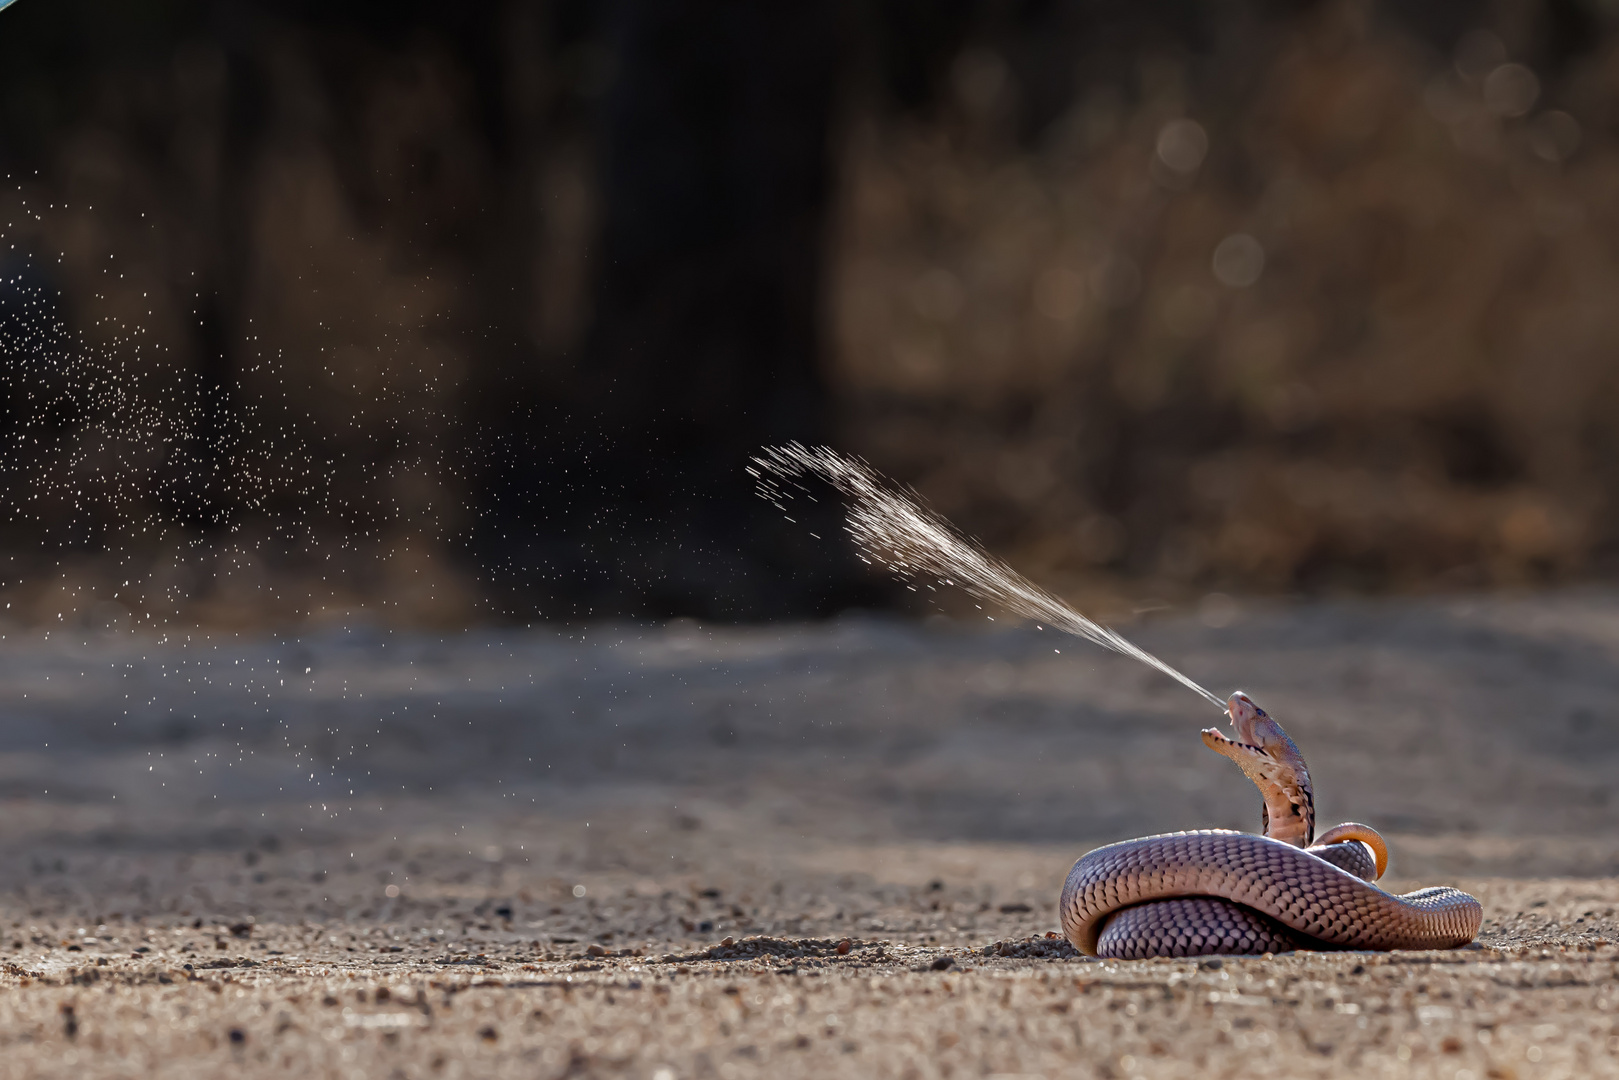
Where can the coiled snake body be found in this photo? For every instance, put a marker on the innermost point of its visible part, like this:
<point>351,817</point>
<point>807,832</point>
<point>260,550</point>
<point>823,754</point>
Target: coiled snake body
<point>1217,891</point>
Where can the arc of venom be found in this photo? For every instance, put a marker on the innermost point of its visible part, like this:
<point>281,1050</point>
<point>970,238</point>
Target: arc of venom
<point>1181,894</point>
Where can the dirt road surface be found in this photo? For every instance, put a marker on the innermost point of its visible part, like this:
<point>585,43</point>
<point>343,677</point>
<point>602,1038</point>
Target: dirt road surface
<point>829,850</point>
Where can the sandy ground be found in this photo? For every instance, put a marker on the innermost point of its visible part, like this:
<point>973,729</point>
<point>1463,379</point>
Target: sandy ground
<point>807,851</point>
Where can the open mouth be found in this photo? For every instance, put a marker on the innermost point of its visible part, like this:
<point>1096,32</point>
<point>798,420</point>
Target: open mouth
<point>1220,743</point>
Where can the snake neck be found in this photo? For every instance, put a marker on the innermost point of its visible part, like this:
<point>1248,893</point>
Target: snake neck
<point>1265,754</point>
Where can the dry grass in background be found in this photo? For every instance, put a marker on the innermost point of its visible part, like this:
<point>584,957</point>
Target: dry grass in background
<point>1347,322</point>
<point>1319,310</point>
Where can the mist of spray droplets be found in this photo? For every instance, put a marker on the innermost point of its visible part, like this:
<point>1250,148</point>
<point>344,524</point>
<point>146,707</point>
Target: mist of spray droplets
<point>892,527</point>
<point>133,484</point>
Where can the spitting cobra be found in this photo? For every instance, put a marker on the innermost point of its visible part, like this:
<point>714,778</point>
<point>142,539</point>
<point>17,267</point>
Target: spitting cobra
<point>1219,891</point>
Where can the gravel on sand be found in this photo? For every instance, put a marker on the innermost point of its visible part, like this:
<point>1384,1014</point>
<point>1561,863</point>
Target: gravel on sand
<point>827,850</point>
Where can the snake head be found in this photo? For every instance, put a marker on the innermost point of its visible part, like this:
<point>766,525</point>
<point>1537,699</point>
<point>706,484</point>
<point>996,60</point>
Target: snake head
<point>1254,725</point>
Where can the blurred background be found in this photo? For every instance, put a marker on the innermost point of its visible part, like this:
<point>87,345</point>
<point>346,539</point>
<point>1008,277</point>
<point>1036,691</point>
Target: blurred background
<point>378,381</point>
<point>467,311</point>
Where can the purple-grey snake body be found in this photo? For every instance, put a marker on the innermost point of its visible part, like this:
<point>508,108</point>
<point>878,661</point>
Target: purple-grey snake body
<point>1217,891</point>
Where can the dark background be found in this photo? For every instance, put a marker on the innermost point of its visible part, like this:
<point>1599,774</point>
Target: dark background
<point>457,311</point>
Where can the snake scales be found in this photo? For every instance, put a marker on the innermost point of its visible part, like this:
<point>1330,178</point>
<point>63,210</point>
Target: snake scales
<point>1217,891</point>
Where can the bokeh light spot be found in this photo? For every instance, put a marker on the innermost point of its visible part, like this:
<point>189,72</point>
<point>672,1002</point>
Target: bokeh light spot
<point>1182,145</point>
<point>1511,90</point>
<point>1238,261</point>
<point>1554,136</point>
